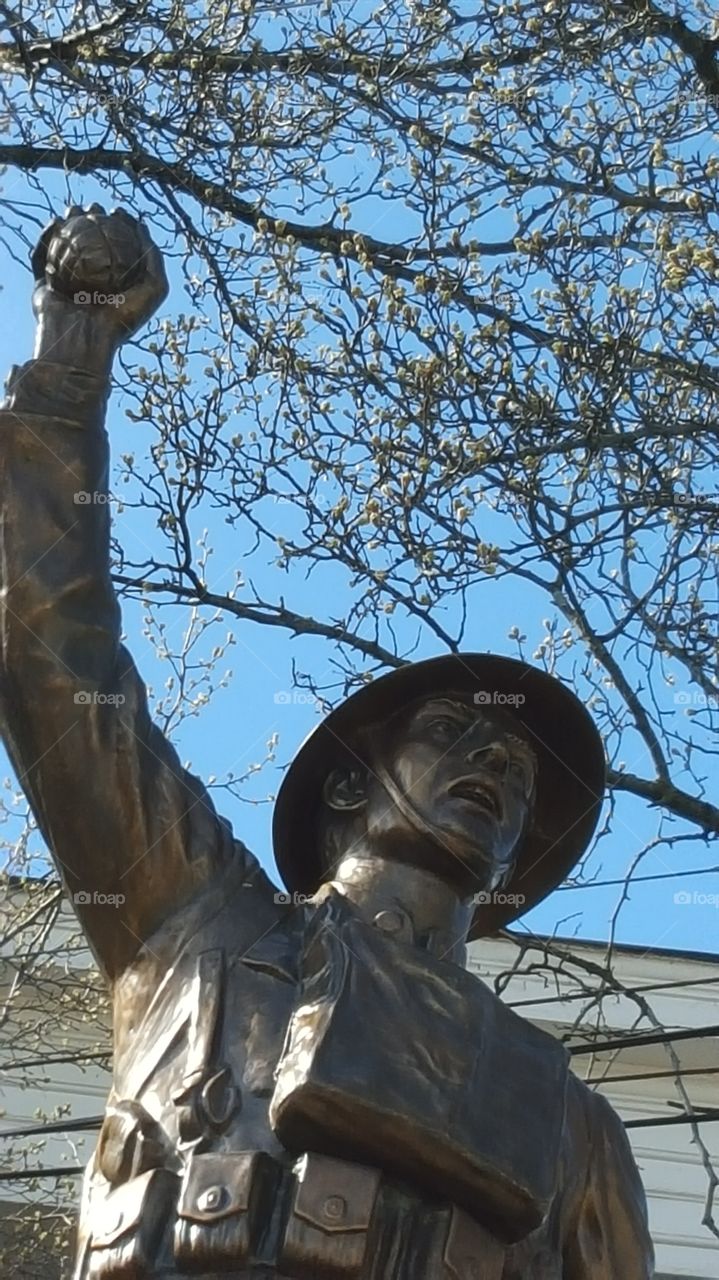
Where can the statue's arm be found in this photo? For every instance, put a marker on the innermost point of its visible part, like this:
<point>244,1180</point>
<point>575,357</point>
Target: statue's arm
<point>606,1233</point>
<point>133,834</point>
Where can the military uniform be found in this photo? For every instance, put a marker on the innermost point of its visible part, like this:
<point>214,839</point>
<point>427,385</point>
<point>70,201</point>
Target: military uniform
<point>249,1133</point>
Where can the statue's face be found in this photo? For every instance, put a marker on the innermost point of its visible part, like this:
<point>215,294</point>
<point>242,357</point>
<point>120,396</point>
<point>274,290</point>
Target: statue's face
<point>465,772</point>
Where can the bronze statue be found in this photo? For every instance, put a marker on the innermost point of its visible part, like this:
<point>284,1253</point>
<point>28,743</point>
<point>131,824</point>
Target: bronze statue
<point>315,1091</point>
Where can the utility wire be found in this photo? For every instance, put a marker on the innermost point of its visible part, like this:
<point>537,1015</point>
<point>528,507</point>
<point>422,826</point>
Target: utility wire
<point>699,1117</point>
<point>653,1075</point>
<point>629,881</point>
<point>54,1126</point>
<point>77,1058</point>
<point>659,1037</point>
<point>606,993</point>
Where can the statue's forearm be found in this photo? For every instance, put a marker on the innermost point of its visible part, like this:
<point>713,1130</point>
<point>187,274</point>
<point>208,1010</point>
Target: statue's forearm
<point>59,618</point>
<point>78,339</point>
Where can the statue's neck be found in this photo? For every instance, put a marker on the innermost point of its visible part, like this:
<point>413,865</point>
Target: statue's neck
<point>407,903</point>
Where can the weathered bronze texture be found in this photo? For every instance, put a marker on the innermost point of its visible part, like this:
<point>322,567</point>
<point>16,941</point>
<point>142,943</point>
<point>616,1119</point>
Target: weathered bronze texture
<point>315,1090</point>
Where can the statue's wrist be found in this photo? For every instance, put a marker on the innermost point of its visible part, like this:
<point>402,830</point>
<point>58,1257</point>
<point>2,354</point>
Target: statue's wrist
<point>77,341</point>
<point>55,390</point>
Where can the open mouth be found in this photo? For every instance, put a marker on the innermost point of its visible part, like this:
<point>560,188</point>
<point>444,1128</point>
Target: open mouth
<point>478,793</point>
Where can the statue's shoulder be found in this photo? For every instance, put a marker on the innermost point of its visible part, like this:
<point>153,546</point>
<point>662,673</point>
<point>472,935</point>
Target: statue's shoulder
<point>234,905</point>
<point>239,907</point>
<point>589,1106</point>
<point>237,915</point>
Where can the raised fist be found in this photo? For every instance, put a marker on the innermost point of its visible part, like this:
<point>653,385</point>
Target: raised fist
<point>95,254</point>
<point>99,269</point>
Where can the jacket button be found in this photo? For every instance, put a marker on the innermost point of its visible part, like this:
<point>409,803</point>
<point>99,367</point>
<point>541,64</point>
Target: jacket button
<point>392,922</point>
<point>211,1199</point>
<point>334,1208</point>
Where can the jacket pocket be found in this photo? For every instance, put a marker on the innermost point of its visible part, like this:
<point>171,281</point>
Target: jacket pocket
<point>224,1199</point>
<point>329,1219</point>
<point>127,1227</point>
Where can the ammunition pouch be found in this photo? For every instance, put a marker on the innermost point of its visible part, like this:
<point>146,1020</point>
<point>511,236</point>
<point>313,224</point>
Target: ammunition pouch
<point>329,1219</point>
<point>131,1142</point>
<point>127,1227</point>
<point>225,1202</point>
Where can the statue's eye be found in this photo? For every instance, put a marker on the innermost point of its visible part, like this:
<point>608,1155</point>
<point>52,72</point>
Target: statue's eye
<point>445,726</point>
<point>523,773</point>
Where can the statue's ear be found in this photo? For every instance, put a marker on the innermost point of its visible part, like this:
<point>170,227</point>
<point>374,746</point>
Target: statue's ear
<point>345,790</point>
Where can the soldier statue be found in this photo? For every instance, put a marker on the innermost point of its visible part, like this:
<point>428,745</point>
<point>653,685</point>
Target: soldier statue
<point>300,1092</point>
